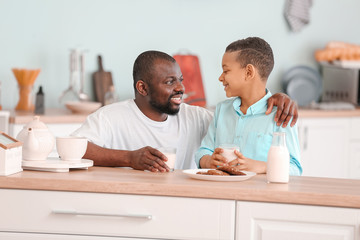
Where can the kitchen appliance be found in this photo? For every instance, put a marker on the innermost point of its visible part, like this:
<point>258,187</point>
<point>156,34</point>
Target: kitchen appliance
<point>341,84</point>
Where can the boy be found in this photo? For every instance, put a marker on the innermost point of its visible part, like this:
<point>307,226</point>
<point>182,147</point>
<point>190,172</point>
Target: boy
<point>241,120</point>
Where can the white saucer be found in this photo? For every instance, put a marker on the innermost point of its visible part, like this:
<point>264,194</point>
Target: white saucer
<point>53,164</point>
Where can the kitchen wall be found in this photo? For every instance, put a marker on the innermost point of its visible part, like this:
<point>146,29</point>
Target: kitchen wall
<point>39,34</point>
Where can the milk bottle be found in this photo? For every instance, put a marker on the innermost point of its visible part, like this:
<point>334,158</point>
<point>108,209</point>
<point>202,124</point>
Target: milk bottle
<point>278,160</point>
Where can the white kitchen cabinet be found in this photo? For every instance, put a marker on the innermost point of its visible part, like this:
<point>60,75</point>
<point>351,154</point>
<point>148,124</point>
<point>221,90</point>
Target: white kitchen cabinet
<point>269,221</point>
<point>354,155</point>
<point>324,145</point>
<point>115,215</point>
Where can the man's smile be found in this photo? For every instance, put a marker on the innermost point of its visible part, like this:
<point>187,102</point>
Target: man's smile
<point>176,99</point>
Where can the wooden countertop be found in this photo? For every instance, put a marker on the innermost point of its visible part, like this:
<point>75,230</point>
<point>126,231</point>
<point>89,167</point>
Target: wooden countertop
<point>309,113</point>
<point>52,115</point>
<point>300,190</point>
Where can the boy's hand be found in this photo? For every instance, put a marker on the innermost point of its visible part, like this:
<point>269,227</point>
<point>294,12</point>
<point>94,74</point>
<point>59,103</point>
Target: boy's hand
<point>248,164</point>
<point>286,109</point>
<point>213,161</point>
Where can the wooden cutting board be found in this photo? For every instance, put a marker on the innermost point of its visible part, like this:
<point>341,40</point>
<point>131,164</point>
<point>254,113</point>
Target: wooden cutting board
<point>102,81</point>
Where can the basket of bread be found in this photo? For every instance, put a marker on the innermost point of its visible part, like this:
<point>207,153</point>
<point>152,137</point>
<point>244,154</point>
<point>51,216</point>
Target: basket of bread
<point>339,53</point>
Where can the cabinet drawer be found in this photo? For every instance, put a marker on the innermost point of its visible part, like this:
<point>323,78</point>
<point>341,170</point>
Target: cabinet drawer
<point>262,221</point>
<point>116,215</point>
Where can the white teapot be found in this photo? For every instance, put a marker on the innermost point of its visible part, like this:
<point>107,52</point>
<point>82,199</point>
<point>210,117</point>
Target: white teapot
<point>37,140</point>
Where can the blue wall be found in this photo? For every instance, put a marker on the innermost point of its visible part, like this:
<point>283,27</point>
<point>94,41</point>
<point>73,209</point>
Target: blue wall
<point>39,34</point>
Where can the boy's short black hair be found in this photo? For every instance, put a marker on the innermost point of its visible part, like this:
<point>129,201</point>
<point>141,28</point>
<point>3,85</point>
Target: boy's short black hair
<point>255,51</point>
<point>144,65</point>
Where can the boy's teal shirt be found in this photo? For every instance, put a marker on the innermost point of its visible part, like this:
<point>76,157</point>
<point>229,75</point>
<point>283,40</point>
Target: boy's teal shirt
<point>252,132</point>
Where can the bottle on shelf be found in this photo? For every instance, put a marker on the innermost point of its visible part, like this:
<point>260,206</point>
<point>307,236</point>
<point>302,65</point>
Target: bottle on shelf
<point>111,96</point>
<point>39,102</point>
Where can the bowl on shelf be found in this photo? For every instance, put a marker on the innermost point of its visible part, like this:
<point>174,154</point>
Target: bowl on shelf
<point>82,107</point>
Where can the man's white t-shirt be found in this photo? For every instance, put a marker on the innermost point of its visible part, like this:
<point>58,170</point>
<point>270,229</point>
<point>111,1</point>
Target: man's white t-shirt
<point>123,126</point>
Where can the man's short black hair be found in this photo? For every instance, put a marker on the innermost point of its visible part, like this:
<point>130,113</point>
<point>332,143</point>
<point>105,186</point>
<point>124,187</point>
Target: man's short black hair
<point>255,51</point>
<point>144,65</point>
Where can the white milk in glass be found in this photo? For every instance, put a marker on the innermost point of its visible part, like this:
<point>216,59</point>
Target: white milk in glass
<point>229,151</point>
<point>171,160</point>
<point>170,153</point>
<point>278,160</point>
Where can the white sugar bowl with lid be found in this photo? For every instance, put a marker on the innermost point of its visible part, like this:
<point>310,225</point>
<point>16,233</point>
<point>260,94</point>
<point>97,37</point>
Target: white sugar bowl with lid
<point>38,141</point>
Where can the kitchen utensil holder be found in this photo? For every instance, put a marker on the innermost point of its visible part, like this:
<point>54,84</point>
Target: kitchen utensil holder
<point>25,98</point>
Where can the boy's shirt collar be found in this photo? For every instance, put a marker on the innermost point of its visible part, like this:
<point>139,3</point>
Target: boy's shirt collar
<point>257,108</point>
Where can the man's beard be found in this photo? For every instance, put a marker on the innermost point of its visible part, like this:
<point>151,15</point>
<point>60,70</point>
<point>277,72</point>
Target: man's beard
<point>164,108</point>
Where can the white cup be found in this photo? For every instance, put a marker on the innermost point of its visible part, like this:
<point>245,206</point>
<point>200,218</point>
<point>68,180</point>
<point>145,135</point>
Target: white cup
<point>170,153</point>
<point>228,151</point>
<point>71,148</point>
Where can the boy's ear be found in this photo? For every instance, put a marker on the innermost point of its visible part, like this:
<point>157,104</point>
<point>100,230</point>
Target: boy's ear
<point>142,87</point>
<point>250,71</point>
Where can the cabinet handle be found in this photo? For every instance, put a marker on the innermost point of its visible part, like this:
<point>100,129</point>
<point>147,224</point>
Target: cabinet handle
<point>73,212</point>
<point>305,137</point>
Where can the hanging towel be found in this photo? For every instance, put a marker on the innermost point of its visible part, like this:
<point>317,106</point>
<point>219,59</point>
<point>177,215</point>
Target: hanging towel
<point>297,13</point>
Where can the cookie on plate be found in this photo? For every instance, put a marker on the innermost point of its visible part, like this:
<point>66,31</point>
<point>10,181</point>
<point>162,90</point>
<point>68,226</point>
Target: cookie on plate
<point>231,170</point>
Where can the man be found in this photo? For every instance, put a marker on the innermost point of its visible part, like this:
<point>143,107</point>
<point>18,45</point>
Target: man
<point>126,134</point>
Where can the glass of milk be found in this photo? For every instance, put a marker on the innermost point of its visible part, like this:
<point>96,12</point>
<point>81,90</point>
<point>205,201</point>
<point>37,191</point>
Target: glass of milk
<point>278,160</point>
<point>170,153</point>
<point>229,151</point>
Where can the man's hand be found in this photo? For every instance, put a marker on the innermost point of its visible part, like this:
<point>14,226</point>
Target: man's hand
<point>148,158</point>
<point>286,108</point>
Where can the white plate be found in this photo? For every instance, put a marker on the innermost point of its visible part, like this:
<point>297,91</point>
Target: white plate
<point>192,173</point>
<point>303,84</point>
<point>53,164</point>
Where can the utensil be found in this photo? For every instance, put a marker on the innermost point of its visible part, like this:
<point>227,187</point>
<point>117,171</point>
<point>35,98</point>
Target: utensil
<point>82,96</point>
<point>70,91</point>
<point>102,81</point>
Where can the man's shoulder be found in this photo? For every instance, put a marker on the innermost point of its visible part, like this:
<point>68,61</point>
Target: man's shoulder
<point>116,108</point>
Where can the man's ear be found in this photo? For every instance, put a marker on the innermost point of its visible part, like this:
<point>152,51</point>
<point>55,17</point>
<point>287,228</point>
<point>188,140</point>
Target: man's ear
<point>250,71</point>
<point>142,87</point>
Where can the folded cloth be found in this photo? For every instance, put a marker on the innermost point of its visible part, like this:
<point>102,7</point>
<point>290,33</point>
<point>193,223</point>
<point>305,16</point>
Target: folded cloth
<point>297,13</point>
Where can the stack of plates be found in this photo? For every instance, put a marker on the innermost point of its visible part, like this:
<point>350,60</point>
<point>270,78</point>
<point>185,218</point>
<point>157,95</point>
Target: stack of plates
<point>303,84</point>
